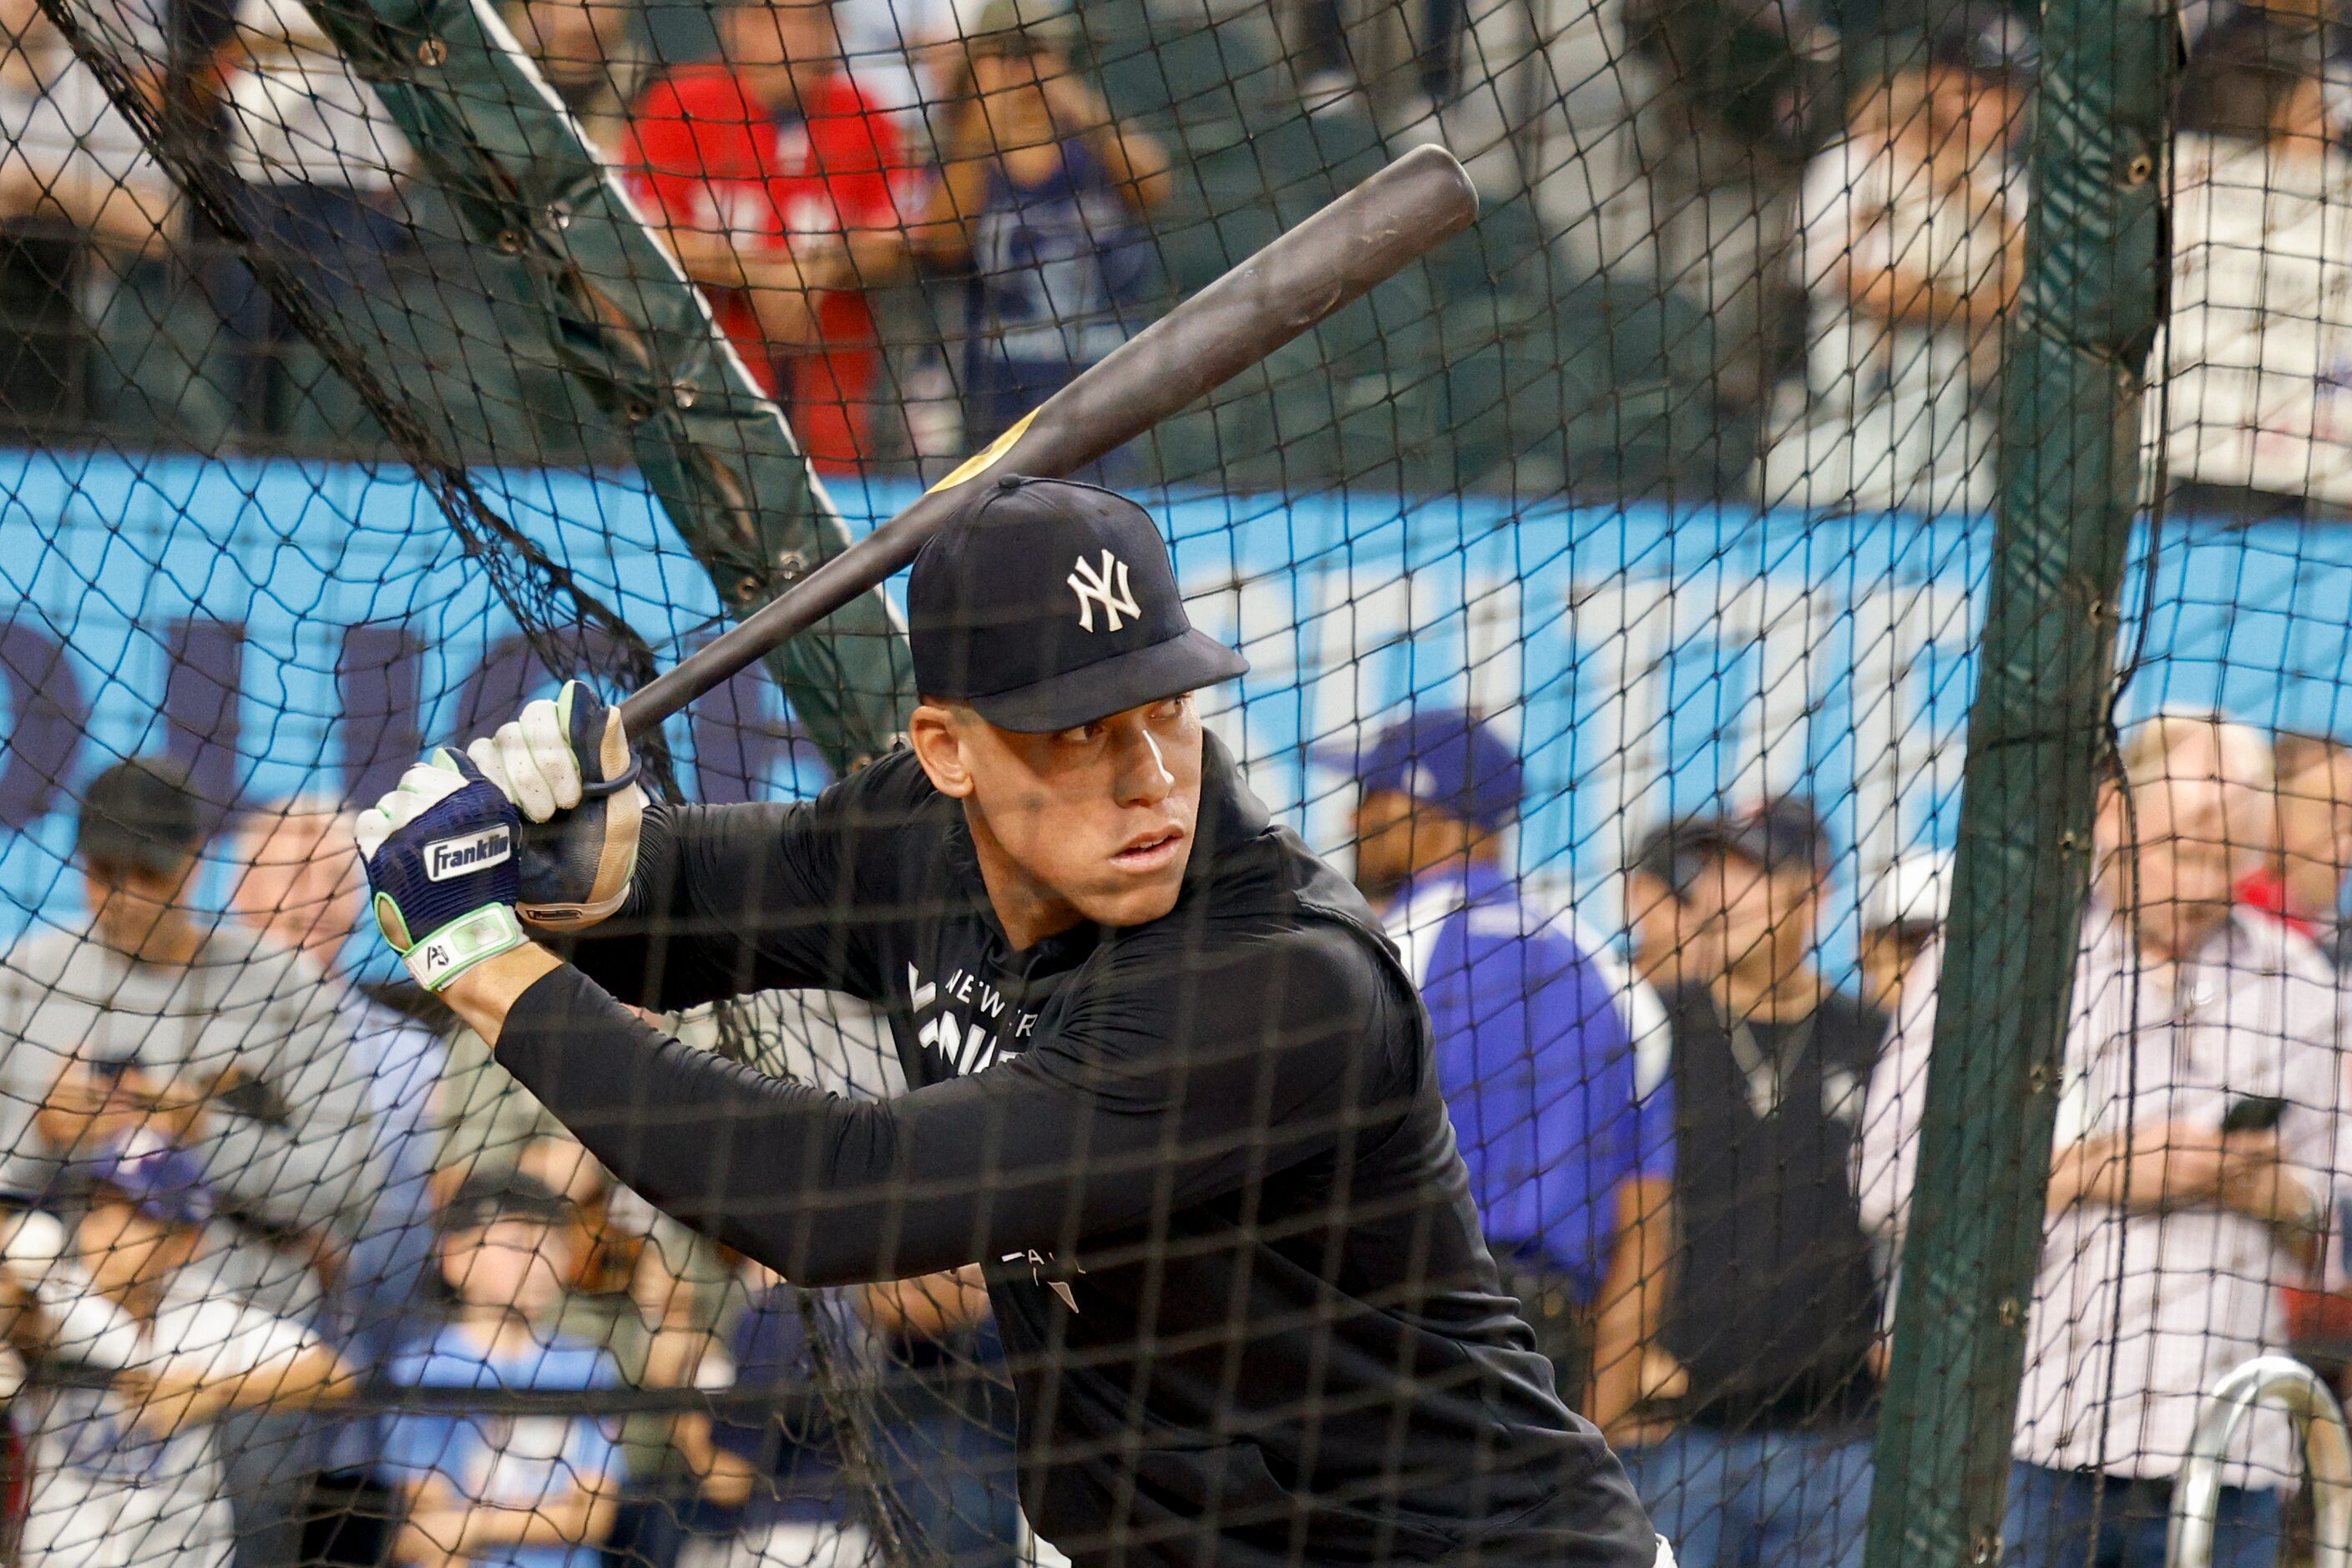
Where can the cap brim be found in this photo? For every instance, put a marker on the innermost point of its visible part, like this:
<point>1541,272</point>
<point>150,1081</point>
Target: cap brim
<point>1183,663</point>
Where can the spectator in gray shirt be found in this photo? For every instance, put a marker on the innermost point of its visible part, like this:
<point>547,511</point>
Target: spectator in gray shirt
<point>151,1016</point>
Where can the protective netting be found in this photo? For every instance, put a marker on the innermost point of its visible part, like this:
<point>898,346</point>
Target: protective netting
<point>1613,585</point>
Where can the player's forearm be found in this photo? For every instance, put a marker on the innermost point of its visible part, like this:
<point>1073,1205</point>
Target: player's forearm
<point>704,892</point>
<point>750,1160</point>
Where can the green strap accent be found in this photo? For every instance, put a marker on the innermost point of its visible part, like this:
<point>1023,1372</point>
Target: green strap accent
<point>464,942</point>
<point>628,327</point>
<point>2070,474</point>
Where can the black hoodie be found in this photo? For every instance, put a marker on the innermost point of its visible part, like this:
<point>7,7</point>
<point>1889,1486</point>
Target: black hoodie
<point>1230,1243</point>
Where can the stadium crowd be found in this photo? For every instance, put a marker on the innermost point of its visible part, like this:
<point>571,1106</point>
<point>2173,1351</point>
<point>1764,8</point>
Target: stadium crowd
<point>306,1239</point>
<point>916,218</point>
<point>322,1285</point>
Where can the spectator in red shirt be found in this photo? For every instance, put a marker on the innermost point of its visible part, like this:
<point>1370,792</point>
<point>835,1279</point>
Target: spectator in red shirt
<point>781,187</point>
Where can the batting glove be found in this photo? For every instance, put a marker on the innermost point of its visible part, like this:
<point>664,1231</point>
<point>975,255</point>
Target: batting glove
<point>565,764</point>
<point>440,853</point>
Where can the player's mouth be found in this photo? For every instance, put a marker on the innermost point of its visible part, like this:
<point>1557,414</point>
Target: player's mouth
<point>1152,852</point>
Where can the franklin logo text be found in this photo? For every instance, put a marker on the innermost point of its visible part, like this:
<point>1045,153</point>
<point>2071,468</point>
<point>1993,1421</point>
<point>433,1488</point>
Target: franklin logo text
<point>448,858</point>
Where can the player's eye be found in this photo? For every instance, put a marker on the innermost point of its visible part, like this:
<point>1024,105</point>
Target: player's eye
<point>1080,735</point>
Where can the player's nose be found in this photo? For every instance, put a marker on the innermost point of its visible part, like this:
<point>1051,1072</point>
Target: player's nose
<point>1141,777</point>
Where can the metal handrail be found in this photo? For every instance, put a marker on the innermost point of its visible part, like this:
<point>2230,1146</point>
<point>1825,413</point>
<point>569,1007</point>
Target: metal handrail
<point>2320,1430</point>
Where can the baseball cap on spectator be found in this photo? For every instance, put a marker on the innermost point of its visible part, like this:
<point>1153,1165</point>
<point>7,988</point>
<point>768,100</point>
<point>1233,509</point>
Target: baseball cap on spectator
<point>1675,852</point>
<point>162,1182</point>
<point>1781,834</point>
<point>1912,894</point>
<point>487,1196</point>
<point>1447,758</point>
<point>140,814</point>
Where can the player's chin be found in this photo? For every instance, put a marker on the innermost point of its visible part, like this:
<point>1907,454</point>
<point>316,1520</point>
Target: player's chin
<point>1134,897</point>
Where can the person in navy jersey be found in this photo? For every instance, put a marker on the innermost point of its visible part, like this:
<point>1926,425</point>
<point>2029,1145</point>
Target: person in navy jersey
<point>1568,1147</point>
<point>1041,199</point>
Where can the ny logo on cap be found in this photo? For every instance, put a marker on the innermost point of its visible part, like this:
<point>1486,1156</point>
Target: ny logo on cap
<point>1095,585</point>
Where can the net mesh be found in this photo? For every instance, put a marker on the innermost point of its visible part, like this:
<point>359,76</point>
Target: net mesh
<point>1612,582</point>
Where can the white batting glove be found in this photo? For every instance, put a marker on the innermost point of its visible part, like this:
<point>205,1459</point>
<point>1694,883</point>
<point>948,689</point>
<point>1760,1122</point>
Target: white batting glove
<point>565,764</point>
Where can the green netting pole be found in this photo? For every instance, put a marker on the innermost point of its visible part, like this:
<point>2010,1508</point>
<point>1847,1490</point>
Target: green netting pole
<point>630,329</point>
<point>2070,476</point>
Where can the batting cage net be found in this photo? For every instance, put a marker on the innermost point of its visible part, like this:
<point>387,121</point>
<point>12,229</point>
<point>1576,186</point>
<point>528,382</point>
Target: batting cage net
<point>1772,879</point>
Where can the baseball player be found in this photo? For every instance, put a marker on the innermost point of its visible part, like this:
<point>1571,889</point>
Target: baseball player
<point>1174,1092</point>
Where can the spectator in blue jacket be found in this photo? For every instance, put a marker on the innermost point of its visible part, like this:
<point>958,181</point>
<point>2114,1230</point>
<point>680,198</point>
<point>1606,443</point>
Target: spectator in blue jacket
<point>1535,1055</point>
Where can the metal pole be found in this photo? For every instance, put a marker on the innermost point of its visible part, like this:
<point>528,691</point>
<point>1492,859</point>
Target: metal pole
<point>2319,1430</point>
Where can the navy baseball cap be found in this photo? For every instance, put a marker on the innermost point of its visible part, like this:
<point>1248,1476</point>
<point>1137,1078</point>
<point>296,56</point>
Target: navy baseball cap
<point>1781,834</point>
<point>487,1196</point>
<point>1048,603</point>
<point>1672,852</point>
<point>164,1182</point>
<point>142,815</point>
<point>1447,758</point>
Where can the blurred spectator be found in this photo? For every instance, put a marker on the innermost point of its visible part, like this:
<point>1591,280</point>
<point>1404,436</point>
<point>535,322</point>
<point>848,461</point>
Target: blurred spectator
<point>903,52</point>
<point>207,1033</point>
<point>2301,881</point>
<point>779,186</point>
<point>1911,250</point>
<point>132,1474</point>
<point>316,158</point>
<point>1901,920</point>
<point>484,1486</point>
<point>589,52</point>
<point>2257,301</point>
<point>945,1425</point>
<point>1667,936</point>
<point>634,1288</point>
<point>1042,195</point>
<point>1747,91</point>
<point>81,201</point>
<point>2197,1109</point>
<point>778,1473</point>
<point>2257,78</point>
<point>1774,1308</point>
<point>299,883</point>
<point>1567,1158</point>
<point>51,1309</point>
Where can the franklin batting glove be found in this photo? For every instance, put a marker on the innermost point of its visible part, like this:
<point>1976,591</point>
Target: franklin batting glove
<point>565,764</point>
<point>440,853</point>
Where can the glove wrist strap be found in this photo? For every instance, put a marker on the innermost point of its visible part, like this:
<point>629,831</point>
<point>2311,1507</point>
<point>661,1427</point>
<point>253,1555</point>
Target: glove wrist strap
<point>464,942</point>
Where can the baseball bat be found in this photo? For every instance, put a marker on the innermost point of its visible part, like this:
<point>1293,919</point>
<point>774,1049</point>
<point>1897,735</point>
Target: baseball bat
<point>1301,277</point>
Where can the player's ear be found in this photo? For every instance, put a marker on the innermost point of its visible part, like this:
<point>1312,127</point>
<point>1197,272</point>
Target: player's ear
<point>936,732</point>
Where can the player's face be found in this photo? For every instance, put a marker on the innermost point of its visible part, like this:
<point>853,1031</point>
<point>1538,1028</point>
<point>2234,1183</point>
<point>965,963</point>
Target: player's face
<point>1090,824</point>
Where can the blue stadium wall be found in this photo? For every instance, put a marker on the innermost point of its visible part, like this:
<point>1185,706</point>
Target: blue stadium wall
<point>294,627</point>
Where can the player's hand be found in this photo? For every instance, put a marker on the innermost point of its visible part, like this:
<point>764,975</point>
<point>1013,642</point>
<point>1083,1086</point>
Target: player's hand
<point>440,853</point>
<point>565,765</point>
